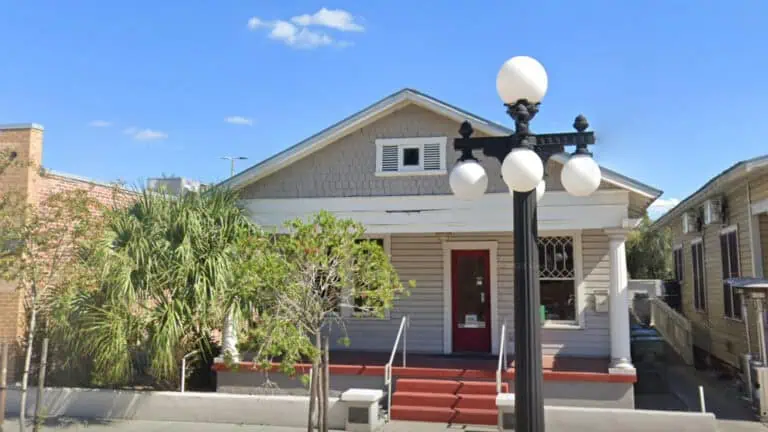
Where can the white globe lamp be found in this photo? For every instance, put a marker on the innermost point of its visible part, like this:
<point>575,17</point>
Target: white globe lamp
<point>468,180</point>
<point>521,77</point>
<point>540,189</point>
<point>522,170</point>
<point>581,175</point>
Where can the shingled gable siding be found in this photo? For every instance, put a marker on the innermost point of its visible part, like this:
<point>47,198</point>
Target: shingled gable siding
<point>347,168</point>
<point>419,257</point>
<point>724,338</point>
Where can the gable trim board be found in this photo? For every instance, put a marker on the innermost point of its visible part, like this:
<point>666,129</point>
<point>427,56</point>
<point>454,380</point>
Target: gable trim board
<point>446,213</point>
<point>384,107</point>
<point>735,172</point>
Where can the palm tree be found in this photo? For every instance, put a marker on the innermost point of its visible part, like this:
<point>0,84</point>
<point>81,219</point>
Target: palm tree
<point>154,286</point>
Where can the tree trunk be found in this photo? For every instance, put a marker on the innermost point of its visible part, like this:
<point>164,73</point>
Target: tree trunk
<point>320,384</point>
<point>326,383</point>
<point>27,361</point>
<point>40,386</point>
<point>312,395</point>
<point>3,381</point>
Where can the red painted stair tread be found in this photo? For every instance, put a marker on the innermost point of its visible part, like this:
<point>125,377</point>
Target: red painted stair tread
<point>427,385</point>
<point>474,401</point>
<point>481,387</point>
<point>419,399</point>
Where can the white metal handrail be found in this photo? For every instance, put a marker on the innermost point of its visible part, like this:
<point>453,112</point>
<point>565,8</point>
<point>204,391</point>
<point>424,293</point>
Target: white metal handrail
<point>388,367</point>
<point>502,356</point>
<point>500,367</point>
<point>184,368</point>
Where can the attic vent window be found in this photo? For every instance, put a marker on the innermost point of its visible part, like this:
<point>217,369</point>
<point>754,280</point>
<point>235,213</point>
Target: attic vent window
<point>411,156</point>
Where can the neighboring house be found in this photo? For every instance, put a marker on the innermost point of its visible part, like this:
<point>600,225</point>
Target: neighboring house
<point>24,143</point>
<point>718,232</point>
<point>387,167</point>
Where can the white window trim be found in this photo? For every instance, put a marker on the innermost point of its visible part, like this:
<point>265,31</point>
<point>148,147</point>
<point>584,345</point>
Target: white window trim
<point>404,143</point>
<point>694,242</point>
<point>728,230</point>
<point>578,283</point>
<point>347,311</point>
<point>492,248</point>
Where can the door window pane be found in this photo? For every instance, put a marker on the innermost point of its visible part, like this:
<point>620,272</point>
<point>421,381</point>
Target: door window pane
<point>471,280</point>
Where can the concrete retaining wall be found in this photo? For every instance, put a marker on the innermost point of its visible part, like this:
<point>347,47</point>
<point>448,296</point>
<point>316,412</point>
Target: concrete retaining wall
<point>283,410</point>
<point>626,420</point>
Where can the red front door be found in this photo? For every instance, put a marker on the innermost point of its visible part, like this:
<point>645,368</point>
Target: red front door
<point>471,298</point>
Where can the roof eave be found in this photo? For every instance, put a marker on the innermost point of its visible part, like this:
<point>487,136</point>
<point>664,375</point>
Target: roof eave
<point>731,174</point>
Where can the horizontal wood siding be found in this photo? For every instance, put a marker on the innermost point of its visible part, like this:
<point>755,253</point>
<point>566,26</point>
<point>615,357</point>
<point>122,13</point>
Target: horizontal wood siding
<point>419,257</point>
<point>723,337</point>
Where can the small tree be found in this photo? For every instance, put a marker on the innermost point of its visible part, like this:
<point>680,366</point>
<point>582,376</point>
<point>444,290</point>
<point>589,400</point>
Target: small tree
<point>39,245</point>
<point>301,283</point>
<point>649,252</point>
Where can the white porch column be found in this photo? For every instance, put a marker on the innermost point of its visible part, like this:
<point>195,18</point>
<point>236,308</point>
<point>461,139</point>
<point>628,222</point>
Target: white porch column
<point>229,338</point>
<point>618,301</point>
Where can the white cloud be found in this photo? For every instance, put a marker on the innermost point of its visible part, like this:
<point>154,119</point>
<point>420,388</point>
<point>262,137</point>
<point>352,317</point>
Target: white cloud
<point>255,23</point>
<point>297,34</point>
<point>239,120</point>
<point>338,19</point>
<point>661,206</point>
<point>100,123</point>
<point>145,134</point>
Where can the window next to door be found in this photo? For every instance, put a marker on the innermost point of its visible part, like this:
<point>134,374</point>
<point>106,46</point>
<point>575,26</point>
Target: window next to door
<point>729,254</point>
<point>699,287</point>
<point>678,258</point>
<point>557,277</point>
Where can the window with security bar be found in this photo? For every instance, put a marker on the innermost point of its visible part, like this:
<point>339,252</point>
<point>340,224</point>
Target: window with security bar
<point>557,278</point>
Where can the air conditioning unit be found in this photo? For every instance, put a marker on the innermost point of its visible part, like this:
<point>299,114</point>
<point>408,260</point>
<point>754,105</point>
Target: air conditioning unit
<point>713,211</point>
<point>690,224</point>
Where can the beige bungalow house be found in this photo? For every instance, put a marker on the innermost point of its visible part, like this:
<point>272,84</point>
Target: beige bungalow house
<point>387,167</point>
<point>720,232</point>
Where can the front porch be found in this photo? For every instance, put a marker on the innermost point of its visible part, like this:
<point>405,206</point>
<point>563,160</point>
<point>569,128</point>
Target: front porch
<point>442,388</point>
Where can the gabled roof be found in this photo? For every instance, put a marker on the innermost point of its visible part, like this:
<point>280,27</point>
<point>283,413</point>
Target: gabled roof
<point>731,174</point>
<point>377,110</point>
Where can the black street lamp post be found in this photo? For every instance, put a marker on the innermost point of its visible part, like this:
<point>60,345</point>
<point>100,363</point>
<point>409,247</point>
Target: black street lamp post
<point>523,156</point>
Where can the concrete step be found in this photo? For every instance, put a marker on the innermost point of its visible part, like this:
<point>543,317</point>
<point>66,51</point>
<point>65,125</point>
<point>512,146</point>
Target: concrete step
<point>476,416</point>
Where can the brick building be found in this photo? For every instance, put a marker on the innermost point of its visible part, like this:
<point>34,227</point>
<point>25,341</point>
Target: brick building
<point>24,143</point>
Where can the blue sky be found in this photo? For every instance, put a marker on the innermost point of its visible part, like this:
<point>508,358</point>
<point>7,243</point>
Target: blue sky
<point>132,89</point>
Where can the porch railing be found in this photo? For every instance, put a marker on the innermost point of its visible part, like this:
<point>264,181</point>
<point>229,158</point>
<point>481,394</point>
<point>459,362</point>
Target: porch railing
<point>401,332</point>
<point>501,366</point>
<point>674,328</point>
